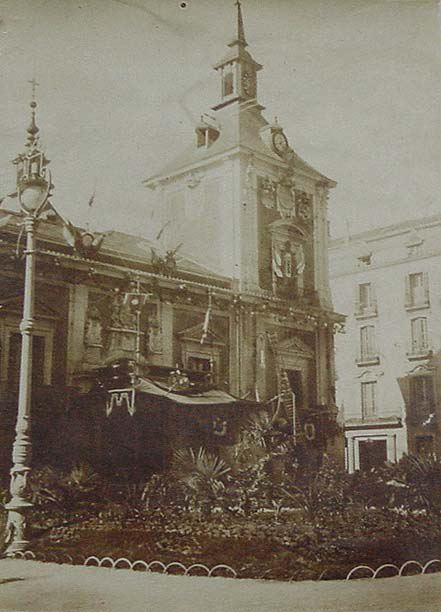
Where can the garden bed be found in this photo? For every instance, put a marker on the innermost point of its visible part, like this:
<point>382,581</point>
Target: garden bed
<point>256,547</point>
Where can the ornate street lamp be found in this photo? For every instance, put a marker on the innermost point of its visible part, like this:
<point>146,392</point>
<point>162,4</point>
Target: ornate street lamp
<point>33,188</point>
<point>136,299</point>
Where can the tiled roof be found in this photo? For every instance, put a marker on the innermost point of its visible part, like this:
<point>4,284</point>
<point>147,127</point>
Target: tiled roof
<point>240,125</point>
<point>133,249</point>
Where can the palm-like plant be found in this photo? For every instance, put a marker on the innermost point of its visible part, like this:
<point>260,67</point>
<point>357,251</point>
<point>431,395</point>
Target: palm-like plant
<point>423,475</point>
<point>202,475</point>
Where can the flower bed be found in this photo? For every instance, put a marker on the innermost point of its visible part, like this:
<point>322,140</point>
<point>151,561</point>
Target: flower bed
<point>257,546</point>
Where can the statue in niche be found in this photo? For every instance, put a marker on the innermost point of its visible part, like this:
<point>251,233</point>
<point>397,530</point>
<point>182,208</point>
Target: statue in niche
<point>94,328</point>
<point>154,335</point>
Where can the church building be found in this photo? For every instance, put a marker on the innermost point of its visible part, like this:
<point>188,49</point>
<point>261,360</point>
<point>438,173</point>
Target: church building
<point>241,311</point>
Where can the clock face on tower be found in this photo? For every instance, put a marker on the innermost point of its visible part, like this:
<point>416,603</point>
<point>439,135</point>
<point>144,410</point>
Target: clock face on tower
<point>280,142</point>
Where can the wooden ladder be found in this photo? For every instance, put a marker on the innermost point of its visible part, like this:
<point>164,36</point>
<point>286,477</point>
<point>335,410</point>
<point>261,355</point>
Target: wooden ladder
<point>285,396</point>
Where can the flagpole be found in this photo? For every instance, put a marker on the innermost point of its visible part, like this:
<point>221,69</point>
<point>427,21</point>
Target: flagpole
<point>206,323</point>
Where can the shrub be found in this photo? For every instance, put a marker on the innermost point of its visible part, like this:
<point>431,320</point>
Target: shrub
<point>423,477</point>
<point>65,492</point>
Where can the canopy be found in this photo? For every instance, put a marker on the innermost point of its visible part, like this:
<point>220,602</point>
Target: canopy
<point>203,398</point>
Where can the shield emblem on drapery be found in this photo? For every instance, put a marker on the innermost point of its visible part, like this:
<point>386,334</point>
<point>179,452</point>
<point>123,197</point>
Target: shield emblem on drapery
<point>285,200</point>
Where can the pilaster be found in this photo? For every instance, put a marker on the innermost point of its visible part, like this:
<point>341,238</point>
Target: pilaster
<point>78,298</point>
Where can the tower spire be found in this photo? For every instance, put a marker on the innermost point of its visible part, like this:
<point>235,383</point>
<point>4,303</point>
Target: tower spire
<point>240,34</point>
<point>237,69</point>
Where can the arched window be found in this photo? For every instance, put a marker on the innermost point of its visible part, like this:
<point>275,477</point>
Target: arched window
<point>227,84</point>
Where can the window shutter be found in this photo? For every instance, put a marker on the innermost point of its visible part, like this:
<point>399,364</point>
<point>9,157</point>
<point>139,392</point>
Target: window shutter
<point>363,351</point>
<point>424,335</point>
<point>408,291</point>
<point>372,341</point>
<point>357,302</point>
<point>426,285</point>
<point>371,294</point>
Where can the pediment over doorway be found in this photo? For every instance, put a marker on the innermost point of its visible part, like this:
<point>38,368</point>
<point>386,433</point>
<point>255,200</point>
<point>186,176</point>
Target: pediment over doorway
<point>295,346</point>
<point>195,333</point>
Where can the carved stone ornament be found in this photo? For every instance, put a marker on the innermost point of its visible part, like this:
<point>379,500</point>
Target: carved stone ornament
<point>268,189</point>
<point>122,315</point>
<point>193,180</point>
<point>285,199</point>
<point>303,206</point>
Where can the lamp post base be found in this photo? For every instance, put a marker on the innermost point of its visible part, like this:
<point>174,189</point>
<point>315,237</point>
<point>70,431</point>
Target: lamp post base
<point>16,527</point>
<point>16,547</point>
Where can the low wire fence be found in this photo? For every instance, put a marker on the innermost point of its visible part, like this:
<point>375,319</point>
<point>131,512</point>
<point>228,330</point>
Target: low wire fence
<point>387,570</point>
<point>174,567</point>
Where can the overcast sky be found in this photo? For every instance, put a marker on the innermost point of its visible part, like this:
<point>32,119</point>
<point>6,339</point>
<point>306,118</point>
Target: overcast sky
<point>356,85</point>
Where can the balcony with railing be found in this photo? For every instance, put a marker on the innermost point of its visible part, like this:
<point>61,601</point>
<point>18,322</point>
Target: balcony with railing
<point>419,350</point>
<point>417,292</point>
<point>367,358</point>
<point>364,310</point>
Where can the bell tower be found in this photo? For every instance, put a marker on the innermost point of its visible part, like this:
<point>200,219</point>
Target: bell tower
<point>237,70</point>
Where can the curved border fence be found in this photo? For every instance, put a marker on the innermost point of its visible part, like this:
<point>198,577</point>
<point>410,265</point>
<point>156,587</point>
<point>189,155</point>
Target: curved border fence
<point>388,570</point>
<point>175,567</point>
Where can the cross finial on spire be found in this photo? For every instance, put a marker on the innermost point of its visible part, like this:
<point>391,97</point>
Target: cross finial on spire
<point>33,128</point>
<point>34,84</point>
<point>240,29</point>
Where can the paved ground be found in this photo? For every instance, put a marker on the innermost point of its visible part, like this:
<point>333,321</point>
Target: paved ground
<point>35,586</point>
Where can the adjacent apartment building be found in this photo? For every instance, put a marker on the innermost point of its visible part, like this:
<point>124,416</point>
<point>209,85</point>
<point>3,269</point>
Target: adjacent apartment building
<point>388,283</point>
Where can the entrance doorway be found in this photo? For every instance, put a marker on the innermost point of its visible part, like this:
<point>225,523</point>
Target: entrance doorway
<point>296,383</point>
<point>372,453</point>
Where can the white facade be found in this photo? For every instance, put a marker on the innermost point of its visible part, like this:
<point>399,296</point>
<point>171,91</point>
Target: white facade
<point>388,283</point>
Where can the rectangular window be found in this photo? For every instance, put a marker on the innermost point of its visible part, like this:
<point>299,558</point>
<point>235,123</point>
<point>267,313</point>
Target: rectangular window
<point>365,300</point>
<point>422,397</point>
<point>199,364</point>
<point>367,342</point>
<point>368,399</point>
<point>365,295</point>
<point>420,341</point>
<point>417,289</point>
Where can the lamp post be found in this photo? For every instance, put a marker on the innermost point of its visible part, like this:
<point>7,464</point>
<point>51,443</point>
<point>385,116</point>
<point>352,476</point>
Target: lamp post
<point>136,300</point>
<point>33,188</point>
